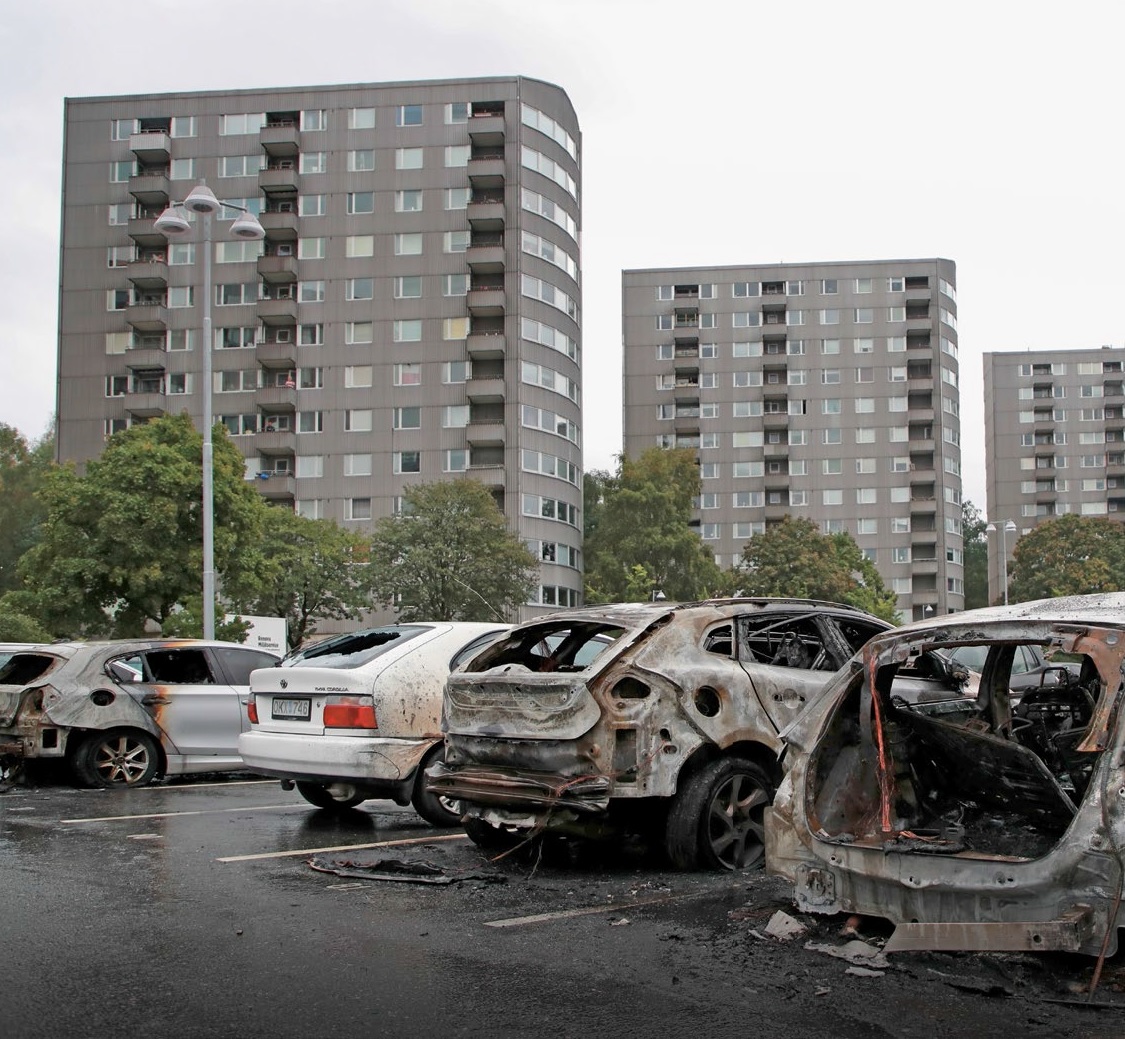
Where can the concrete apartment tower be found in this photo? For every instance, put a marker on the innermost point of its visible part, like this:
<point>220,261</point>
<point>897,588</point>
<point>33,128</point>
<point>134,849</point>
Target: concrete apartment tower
<point>822,390</point>
<point>1054,434</point>
<point>413,313</point>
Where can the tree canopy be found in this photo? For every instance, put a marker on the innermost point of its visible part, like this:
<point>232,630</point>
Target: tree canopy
<point>1068,556</point>
<point>449,556</point>
<point>313,569</point>
<point>641,541</point>
<point>792,558</point>
<point>976,556</point>
<point>23,469</point>
<point>122,544</point>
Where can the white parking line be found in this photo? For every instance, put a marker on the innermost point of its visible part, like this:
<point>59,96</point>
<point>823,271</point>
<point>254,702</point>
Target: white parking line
<point>184,812</point>
<point>344,848</point>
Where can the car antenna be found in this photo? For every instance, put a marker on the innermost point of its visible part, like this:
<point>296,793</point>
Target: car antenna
<point>499,616</point>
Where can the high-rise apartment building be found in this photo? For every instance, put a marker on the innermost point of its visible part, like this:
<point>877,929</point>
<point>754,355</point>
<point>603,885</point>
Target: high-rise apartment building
<point>413,313</point>
<point>1054,431</point>
<point>824,390</point>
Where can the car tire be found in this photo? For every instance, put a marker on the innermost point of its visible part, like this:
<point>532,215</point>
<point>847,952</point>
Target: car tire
<point>716,820</point>
<point>434,808</point>
<point>117,758</point>
<point>332,796</point>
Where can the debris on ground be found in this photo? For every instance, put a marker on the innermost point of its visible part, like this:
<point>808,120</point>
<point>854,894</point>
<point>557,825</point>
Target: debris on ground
<point>383,868</point>
<point>784,927</point>
<point>856,952</point>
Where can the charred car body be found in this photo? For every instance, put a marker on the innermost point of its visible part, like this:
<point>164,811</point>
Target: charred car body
<point>124,712</point>
<point>593,721</point>
<point>994,824</point>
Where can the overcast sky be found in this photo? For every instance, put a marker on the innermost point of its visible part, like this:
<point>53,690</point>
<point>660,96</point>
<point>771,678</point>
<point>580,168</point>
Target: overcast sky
<point>713,133</point>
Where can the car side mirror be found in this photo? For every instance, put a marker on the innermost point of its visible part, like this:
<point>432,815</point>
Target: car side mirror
<point>958,674</point>
<point>123,673</point>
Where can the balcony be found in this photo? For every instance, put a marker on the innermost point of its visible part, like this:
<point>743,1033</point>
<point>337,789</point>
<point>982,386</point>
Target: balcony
<point>485,434</point>
<point>151,146</point>
<point>279,225</point>
<point>275,442</point>
<point>491,476</point>
<point>776,451</point>
<point>777,510</point>
<point>278,180</point>
<point>142,230</point>
<point>281,139</point>
<point>486,170</point>
<point>150,188</point>
<point>277,269</point>
<point>274,354</point>
<point>775,420</point>
<point>486,216</point>
<point>276,399</point>
<point>487,131</point>
<point>485,391</point>
<point>147,405</point>
<point>146,358</point>
<point>276,486</point>
<point>147,317</point>
<point>486,302</point>
<point>150,274</point>
<point>485,346</point>
<point>278,312</point>
<point>487,256</point>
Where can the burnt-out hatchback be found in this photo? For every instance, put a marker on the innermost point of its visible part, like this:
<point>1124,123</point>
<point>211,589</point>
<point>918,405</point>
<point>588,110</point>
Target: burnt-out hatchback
<point>655,717</point>
<point>991,824</point>
<point>123,712</point>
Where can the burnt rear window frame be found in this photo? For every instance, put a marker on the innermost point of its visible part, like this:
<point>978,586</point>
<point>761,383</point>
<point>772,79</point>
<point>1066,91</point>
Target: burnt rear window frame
<point>355,648</point>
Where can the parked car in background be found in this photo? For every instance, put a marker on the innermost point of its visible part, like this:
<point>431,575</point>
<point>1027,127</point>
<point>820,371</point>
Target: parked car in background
<point>658,717</point>
<point>124,712</point>
<point>358,716</point>
<point>989,824</point>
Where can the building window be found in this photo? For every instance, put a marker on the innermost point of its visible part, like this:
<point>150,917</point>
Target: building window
<point>408,158</point>
<point>359,245</point>
<point>864,315</point>
<point>457,155</point>
<point>309,466</point>
<point>408,115</point>
<point>830,316</point>
<point>408,287</point>
<point>456,198</point>
<point>313,162</point>
<point>408,418</point>
<point>361,119</point>
<point>312,205</point>
<point>311,292</point>
<point>357,509</point>
<point>456,112</point>
<point>407,374</point>
<point>361,160</point>
<point>455,285</point>
<point>312,248</point>
<point>314,119</point>
<point>357,376</point>
<point>408,330</point>
<point>454,328</point>
<point>456,241</point>
<point>408,244</point>
<point>359,289</point>
<point>407,462</point>
<point>361,202</point>
<point>358,332</point>
<point>408,201</point>
<point>455,416</point>
<point>358,465</point>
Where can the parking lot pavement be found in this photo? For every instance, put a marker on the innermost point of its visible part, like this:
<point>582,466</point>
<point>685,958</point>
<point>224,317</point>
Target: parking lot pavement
<point>190,909</point>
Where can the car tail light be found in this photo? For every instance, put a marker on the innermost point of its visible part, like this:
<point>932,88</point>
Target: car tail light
<point>252,709</point>
<point>350,713</point>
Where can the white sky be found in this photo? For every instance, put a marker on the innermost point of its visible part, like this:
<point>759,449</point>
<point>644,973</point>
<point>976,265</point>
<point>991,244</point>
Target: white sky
<point>713,132</point>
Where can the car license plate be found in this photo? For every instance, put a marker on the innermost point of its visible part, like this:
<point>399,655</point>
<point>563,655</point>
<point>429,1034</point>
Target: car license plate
<point>292,708</point>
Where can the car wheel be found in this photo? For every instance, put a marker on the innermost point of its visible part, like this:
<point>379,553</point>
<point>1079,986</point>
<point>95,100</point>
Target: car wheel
<point>117,758</point>
<point>434,808</point>
<point>492,839</point>
<point>716,818</point>
<point>332,796</point>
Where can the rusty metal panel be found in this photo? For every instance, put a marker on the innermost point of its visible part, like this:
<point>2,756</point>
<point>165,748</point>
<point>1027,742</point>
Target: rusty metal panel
<point>1070,934</point>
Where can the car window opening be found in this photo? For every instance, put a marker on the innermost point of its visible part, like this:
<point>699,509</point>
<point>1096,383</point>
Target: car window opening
<point>22,669</point>
<point>356,648</point>
<point>178,667</point>
<point>1000,774</point>
<point>562,647</point>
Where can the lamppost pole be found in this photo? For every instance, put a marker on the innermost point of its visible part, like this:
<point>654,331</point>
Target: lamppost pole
<point>1003,528</point>
<point>174,222</point>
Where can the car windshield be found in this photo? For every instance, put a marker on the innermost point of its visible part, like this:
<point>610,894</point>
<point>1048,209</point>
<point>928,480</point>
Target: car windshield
<point>356,648</point>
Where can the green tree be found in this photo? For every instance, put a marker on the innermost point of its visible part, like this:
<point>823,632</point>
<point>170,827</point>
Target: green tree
<point>643,521</point>
<point>793,558</point>
<point>450,556</point>
<point>19,628</point>
<point>1068,556</point>
<point>976,556</point>
<point>314,569</point>
<point>122,545</point>
<point>23,468</point>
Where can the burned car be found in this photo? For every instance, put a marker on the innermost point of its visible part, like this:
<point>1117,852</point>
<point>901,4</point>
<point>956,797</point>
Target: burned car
<point>123,712</point>
<point>990,824</point>
<point>651,716</point>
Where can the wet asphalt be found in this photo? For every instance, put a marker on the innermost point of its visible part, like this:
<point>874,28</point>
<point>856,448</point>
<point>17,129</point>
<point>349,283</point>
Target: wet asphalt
<point>190,909</point>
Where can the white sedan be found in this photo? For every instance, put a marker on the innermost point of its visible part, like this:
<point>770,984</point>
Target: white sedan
<point>358,716</point>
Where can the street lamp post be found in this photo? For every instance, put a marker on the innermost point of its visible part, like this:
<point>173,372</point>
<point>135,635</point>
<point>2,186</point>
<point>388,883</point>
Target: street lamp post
<point>174,222</point>
<point>1008,526</point>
